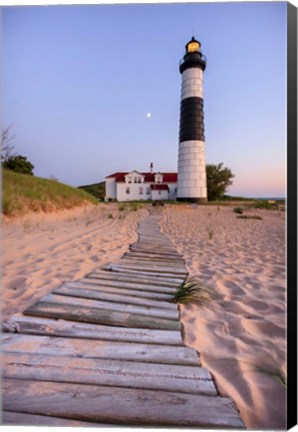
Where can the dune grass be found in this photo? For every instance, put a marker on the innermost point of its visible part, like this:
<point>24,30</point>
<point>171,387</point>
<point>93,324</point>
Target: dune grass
<point>22,193</point>
<point>249,217</point>
<point>95,189</point>
<point>191,290</point>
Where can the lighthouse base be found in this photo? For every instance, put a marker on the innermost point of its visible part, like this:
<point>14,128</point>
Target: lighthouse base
<point>193,200</point>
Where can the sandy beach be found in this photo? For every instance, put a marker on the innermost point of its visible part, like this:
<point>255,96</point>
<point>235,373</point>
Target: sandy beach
<point>239,332</point>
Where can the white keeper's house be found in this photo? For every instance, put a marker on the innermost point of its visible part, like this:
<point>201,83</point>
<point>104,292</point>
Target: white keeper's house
<point>136,186</point>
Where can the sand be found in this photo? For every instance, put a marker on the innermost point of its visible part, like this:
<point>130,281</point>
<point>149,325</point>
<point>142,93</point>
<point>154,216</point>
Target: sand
<point>40,251</point>
<point>239,332</point>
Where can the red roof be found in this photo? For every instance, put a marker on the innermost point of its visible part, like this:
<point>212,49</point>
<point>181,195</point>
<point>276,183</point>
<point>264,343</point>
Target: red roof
<point>119,176</point>
<point>149,178</point>
<point>159,187</point>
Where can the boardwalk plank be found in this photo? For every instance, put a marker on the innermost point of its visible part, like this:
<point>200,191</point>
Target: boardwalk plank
<point>97,316</point>
<point>98,294</point>
<point>127,281</point>
<point>10,418</point>
<point>123,405</point>
<point>152,264</point>
<point>59,368</point>
<point>138,247</point>
<point>147,257</point>
<point>153,272</point>
<point>156,256</point>
<point>71,329</point>
<point>148,280</point>
<point>151,268</point>
<point>120,288</point>
<point>172,314</point>
<point>83,348</point>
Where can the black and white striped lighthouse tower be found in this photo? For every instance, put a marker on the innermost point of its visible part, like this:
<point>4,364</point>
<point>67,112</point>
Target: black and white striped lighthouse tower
<point>192,185</point>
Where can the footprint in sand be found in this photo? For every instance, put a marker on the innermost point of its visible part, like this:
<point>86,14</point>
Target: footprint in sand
<point>259,327</point>
<point>228,286</point>
<point>17,283</point>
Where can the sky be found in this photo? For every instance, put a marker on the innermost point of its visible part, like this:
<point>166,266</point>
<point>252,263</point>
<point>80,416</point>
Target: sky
<point>78,83</point>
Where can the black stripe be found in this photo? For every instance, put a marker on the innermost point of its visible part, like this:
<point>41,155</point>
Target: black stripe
<point>195,59</point>
<point>192,119</point>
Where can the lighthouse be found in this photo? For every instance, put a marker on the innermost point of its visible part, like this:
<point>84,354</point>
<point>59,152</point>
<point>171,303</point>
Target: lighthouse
<point>192,183</point>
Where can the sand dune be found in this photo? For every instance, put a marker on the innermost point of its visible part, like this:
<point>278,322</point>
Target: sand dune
<point>240,333</point>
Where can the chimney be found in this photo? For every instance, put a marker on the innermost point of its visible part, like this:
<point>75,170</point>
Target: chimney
<point>151,168</point>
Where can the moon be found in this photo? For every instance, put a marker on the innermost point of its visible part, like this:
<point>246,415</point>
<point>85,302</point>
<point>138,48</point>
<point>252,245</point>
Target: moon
<point>148,115</point>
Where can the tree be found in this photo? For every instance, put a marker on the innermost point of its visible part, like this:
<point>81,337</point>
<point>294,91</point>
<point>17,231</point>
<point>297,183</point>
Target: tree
<point>7,147</point>
<point>218,180</point>
<point>19,164</point>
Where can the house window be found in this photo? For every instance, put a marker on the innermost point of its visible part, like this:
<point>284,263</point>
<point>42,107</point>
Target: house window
<point>148,190</point>
<point>127,190</point>
<point>141,191</point>
<point>129,180</point>
<point>159,192</point>
<point>137,180</point>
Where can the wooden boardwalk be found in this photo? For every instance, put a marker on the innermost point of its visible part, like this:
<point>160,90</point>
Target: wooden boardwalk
<point>107,350</point>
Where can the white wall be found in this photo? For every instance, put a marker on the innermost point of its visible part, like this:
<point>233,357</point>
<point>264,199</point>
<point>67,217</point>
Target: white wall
<point>192,181</point>
<point>134,194</point>
<point>172,191</point>
<point>110,189</point>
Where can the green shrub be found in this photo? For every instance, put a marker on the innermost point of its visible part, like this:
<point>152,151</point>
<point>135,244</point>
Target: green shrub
<point>238,210</point>
<point>264,205</point>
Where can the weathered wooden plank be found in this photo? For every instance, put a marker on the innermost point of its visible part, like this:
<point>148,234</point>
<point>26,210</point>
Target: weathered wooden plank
<point>180,276</point>
<point>148,263</point>
<point>83,348</point>
<point>158,239</point>
<point>185,379</point>
<point>98,294</point>
<point>128,283</point>
<point>97,316</point>
<point>111,294</point>
<point>153,257</point>
<point>10,418</point>
<point>151,263</point>
<point>155,312</point>
<point>71,329</point>
<point>151,268</point>
<point>149,280</point>
<point>104,404</point>
<point>141,247</point>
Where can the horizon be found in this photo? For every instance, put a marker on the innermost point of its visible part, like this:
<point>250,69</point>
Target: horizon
<point>91,90</point>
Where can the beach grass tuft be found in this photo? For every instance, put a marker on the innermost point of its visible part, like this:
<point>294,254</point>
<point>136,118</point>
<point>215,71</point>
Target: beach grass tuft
<point>134,205</point>
<point>210,233</point>
<point>191,290</point>
<point>238,210</point>
<point>249,217</point>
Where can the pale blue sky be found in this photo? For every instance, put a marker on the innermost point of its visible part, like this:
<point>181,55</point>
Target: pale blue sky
<point>78,82</point>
